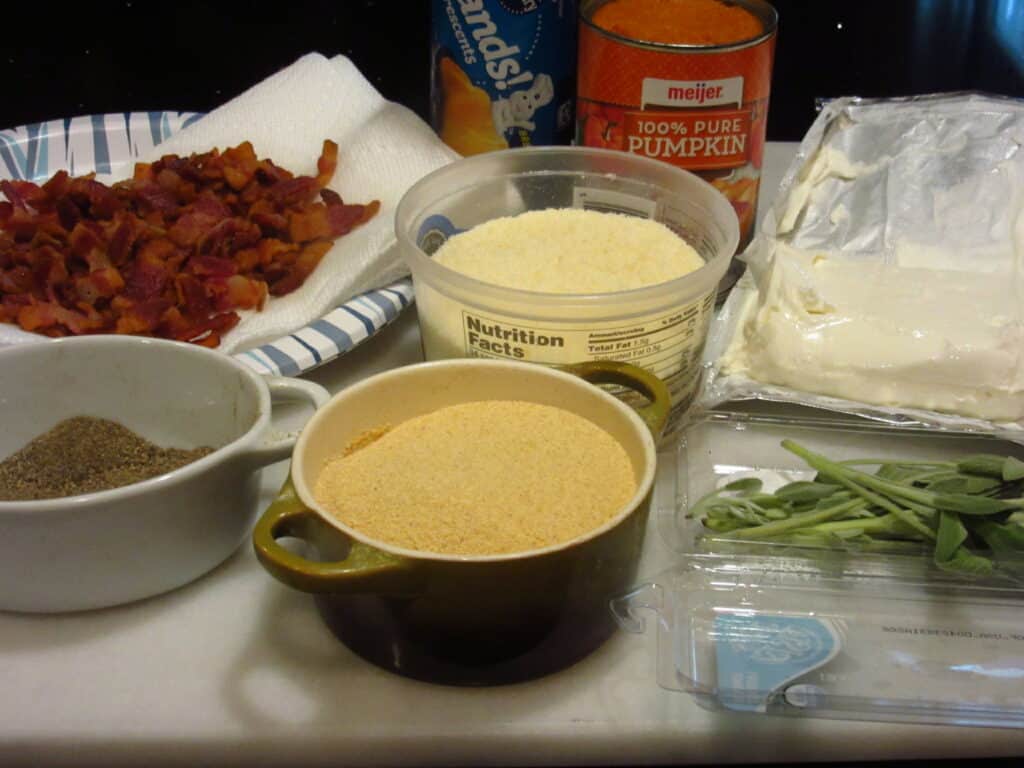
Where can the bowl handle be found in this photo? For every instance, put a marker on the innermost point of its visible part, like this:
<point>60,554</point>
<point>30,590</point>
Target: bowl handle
<point>283,388</point>
<point>655,413</point>
<point>364,569</point>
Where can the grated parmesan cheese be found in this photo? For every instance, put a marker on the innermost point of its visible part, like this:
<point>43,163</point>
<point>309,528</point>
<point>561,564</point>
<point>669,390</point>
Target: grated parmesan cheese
<point>570,250</point>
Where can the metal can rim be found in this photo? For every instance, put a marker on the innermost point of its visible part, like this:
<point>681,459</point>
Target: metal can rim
<point>764,11</point>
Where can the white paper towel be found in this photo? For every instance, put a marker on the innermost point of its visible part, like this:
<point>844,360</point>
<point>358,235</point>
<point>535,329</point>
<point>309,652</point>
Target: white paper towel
<point>383,148</point>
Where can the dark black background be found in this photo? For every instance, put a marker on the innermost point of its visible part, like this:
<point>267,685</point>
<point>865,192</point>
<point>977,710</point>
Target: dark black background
<point>87,58</point>
<point>60,60</point>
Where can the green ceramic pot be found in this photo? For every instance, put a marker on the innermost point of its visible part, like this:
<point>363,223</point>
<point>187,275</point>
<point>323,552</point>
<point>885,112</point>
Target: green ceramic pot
<point>469,620</point>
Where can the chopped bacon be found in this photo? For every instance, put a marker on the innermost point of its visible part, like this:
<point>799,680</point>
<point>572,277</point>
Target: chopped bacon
<point>122,236</point>
<point>20,193</point>
<point>102,283</point>
<point>240,164</point>
<point>265,215</point>
<point>192,296</point>
<point>85,237</point>
<point>294,191</point>
<point>146,279</point>
<point>211,266</point>
<point>139,316</point>
<point>345,218</point>
<point>20,223</point>
<point>102,200</point>
<point>55,320</point>
<point>313,224</point>
<point>68,212</point>
<point>327,164</point>
<point>212,206</point>
<point>229,236</point>
<point>176,251</point>
<point>190,228</point>
<point>152,197</point>
<point>304,266</point>
<point>58,185</point>
<point>15,280</point>
<point>246,293</point>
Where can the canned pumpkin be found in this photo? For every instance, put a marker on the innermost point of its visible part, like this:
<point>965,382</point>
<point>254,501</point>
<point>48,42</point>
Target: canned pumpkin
<point>682,81</point>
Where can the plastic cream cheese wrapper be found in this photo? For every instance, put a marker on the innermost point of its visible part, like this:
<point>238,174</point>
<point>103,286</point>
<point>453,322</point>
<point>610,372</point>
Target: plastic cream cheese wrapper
<point>892,248</point>
<point>661,328</point>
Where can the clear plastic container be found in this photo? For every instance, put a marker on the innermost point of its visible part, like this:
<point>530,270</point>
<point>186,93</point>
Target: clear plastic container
<point>719,448</point>
<point>662,327</point>
<point>824,631</point>
<point>761,635</point>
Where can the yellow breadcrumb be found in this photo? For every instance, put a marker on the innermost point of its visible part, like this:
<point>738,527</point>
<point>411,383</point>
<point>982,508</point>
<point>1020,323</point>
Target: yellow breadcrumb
<point>484,478</point>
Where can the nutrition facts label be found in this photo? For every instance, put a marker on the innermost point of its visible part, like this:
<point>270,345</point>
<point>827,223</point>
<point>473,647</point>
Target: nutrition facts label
<point>667,344</point>
<point>657,345</point>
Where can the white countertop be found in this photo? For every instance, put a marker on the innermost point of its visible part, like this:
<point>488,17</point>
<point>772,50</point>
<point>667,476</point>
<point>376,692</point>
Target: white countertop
<point>237,669</point>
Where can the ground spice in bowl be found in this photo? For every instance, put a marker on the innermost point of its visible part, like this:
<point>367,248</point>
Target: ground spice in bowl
<point>85,454</point>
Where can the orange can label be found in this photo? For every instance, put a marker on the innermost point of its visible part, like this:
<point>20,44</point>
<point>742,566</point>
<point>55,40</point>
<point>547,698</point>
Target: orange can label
<point>701,108</point>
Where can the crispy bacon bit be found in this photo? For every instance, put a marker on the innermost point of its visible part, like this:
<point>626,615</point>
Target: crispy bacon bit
<point>303,268</point>
<point>345,218</point>
<point>311,225</point>
<point>176,251</point>
<point>327,164</point>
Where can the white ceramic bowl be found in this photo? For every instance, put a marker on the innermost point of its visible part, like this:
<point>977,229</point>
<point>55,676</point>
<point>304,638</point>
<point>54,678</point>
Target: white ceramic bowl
<point>110,547</point>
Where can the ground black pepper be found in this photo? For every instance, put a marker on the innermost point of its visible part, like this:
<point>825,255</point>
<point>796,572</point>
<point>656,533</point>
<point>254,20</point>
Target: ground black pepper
<point>85,454</point>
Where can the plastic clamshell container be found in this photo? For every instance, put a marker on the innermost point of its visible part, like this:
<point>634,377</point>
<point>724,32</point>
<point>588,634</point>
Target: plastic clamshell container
<point>768,635</point>
<point>822,631</point>
<point>721,447</point>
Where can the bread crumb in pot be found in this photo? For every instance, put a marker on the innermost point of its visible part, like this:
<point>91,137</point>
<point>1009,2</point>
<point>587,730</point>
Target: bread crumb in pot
<point>366,438</point>
<point>484,478</point>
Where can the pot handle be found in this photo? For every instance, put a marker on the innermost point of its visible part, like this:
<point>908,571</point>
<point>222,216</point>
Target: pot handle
<point>364,569</point>
<point>655,413</point>
<point>283,388</point>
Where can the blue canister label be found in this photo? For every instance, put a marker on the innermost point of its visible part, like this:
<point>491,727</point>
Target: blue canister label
<point>503,73</point>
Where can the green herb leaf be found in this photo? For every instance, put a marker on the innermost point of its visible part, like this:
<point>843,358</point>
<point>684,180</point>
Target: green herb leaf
<point>981,484</point>
<point>856,480</point>
<point>745,484</point>
<point>951,534</point>
<point>982,464</point>
<point>804,492</point>
<point>957,483</point>
<point>768,530</point>
<point>1006,537</point>
<point>971,505</point>
<point>966,563</point>
<point>897,472</point>
<point>1013,469</point>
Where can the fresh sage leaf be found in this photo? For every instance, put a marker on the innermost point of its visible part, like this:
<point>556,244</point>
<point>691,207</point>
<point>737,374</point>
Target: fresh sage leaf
<point>951,534</point>
<point>1005,537</point>
<point>804,492</point>
<point>982,464</point>
<point>745,484</point>
<point>966,563</point>
<point>966,504</point>
<point>1013,469</point>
